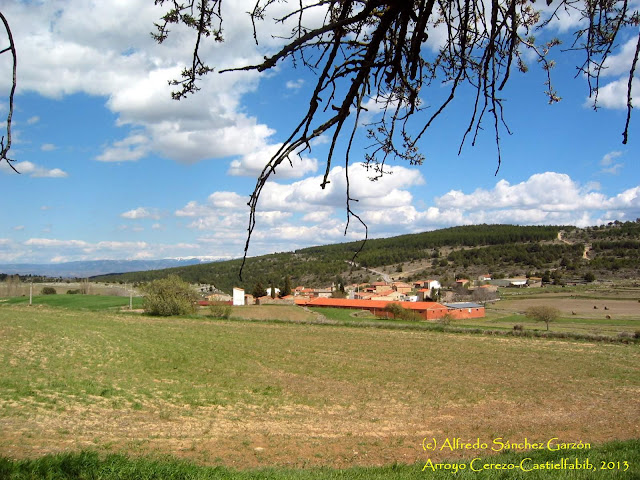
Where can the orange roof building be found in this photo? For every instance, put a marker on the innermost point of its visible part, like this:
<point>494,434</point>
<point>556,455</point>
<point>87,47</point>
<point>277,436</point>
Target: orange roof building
<point>428,310</point>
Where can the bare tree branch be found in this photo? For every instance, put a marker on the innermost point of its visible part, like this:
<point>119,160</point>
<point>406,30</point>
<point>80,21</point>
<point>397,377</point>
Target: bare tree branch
<point>5,142</point>
<point>374,50</point>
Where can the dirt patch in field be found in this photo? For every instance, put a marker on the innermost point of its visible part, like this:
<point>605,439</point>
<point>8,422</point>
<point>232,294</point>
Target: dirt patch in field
<point>245,437</point>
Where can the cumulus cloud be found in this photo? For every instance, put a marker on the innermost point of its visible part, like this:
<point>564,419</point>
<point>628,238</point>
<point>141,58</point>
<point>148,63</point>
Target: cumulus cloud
<point>614,94</point>
<point>36,171</point>
<point>545,198</point>
<point>302,213</point>
<point>547,191</point>
<point>307,194</point>
<point>130,149</point>
<point>104,48</point>
<point>253,163</point>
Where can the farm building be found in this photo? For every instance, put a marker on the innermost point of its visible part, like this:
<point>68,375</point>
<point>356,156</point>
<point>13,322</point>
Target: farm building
<point>428,310</point>
<point>465,310</point>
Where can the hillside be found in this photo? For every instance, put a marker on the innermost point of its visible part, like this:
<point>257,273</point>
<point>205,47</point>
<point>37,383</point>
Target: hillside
<point>502,250</point>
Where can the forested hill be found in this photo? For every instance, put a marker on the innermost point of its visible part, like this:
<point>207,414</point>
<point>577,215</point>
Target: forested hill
<point>497,249</point>
<point>406,248</point>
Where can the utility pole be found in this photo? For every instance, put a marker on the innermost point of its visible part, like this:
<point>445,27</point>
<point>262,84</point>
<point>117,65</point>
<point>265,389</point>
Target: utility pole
<point>31,292</point>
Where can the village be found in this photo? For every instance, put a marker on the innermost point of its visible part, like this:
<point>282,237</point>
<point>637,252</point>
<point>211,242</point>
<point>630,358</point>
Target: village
<point>427,298</point>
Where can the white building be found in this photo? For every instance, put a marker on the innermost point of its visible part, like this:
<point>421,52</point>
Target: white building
<point>238,296</point>
<point>276,289</point>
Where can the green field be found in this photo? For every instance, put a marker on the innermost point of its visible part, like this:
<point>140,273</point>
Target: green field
<point>247,394</point>
<point>521,465</point>
<point>77,302</point>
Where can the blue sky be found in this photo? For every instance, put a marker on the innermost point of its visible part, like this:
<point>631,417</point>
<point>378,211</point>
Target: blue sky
<point>112,168</point>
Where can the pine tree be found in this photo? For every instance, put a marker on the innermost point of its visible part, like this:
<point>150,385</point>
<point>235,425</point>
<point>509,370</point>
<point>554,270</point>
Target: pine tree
<point>259,291</point>
<point>286,289</point>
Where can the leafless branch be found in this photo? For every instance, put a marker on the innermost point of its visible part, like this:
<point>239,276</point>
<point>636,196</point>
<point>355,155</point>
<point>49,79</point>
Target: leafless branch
<point>5,142</point>
<point>375,50</point>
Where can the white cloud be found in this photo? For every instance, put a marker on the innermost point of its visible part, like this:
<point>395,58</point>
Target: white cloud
<point>33,170</point>
<point>131,149</point>
<point>54,243</point>
<point>227,200</point>
<point>104,48</point>
<point>627,200</point>
<point>614,94</point>
<point>48,147</point>
<point>33,120</point>
<point>295,84</point>
<point>545,198</point>
<point>548,191</point>
<point>608,158</point>
<point>140,213</point>
<point>620,63</point>
<point>306,194</point>
<point>253,163</point>
<point>613,169</point>
<point>301,213</point>
<point>607,162</point>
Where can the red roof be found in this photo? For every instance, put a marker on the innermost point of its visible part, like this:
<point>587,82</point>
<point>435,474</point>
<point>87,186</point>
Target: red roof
<point>386,292</point>
<point>348,303</point>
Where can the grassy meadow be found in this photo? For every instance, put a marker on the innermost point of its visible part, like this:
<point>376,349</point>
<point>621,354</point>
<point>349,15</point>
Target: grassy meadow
<point>254,395</point>
<point>77,302</point>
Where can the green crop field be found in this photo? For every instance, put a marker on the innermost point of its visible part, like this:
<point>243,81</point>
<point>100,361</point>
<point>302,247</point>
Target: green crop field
<point>545,465</point>
<point>77,302</point>
<point>251,395</point>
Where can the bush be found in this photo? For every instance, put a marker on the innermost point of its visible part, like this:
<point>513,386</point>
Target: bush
<point>446,320</point>
<point>77,291</point>
<point>169,296</point>
<point>48,291</point>
<point>401,313</point>
<point>220,310</point>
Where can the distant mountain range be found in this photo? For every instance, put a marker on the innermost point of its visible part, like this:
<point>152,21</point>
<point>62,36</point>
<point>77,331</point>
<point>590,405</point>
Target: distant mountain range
<point>93,267</point>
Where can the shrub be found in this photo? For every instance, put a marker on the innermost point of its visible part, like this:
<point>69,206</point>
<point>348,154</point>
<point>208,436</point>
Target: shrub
<point>77,291</point>
<point>401,313</point>
<point>169,296</point>
<point>517,327</point>
<point>220,309</point>
<point>48,291</point>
